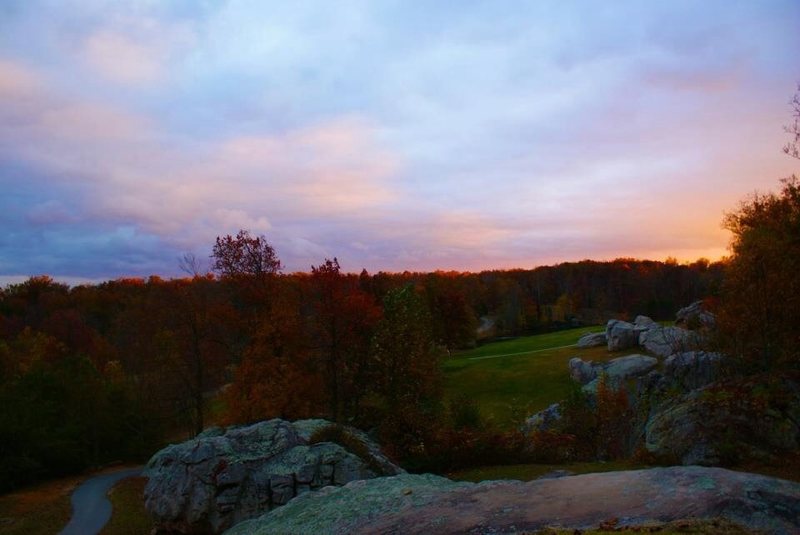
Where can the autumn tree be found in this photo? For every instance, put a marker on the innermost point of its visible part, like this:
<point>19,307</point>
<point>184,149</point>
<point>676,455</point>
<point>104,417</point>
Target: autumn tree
<point>761,300</point>
<point>245,257</point>
<point>195,341</point>
<point>614,419</point>
<point>453,320</point>
<point>344,317</point>
<point>277,376</point>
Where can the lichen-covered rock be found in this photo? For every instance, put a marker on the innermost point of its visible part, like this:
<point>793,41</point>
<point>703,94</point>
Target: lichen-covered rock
<point>544,420</point>
<point>666,341</point>
<point>621,335</point>
<point>695,316</point>
<point>222,477</point>
<point>689,370</point>
<point>422,504</point>
<point>630,366</point>
<point>621,369</point>
<point>591,340</point>
<point>644,323</point>
<point>583,371</point>
<point>728,422</point>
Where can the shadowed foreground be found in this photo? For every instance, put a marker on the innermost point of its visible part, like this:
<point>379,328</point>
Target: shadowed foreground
<point>430,504</point>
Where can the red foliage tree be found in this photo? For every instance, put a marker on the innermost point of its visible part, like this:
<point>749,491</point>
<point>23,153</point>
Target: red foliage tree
<point>344,319</point>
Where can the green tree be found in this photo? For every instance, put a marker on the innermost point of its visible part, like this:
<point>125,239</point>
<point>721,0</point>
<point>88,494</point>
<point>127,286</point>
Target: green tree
<point>407,372</point>
<point>404,351</point>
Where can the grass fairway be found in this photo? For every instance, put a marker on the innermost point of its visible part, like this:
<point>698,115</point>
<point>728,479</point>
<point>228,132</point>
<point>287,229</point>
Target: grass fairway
<point>511,379</point>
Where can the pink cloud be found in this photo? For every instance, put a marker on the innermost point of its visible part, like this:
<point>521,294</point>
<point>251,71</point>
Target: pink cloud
<point>16,79</point>
<point>135,50</point>
<point>187,193</point>
<point>121,59</point>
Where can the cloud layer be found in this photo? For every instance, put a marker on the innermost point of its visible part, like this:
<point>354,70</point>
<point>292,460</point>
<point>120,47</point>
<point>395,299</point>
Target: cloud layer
<point>392,135</point>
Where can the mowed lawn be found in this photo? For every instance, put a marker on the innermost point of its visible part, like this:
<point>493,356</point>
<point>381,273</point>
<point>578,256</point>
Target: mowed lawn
<point>512,379</point>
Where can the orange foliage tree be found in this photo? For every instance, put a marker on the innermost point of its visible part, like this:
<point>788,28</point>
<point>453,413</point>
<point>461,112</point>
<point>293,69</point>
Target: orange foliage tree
<point>277,376</point>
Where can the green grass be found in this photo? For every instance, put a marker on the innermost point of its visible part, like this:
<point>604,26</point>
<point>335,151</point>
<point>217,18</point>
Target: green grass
<point>128,514</point>
<point>529,378</point>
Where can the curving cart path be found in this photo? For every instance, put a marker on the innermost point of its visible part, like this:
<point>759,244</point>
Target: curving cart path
<point>91,509</point>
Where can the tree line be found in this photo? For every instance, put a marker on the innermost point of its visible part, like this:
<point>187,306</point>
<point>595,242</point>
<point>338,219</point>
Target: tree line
<point>97,373</point>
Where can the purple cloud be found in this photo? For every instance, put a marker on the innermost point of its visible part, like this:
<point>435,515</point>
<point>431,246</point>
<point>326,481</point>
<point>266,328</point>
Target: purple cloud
<point>394,136</point>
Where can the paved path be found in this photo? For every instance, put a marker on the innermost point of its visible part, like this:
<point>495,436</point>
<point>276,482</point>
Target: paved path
<point>91,510</point>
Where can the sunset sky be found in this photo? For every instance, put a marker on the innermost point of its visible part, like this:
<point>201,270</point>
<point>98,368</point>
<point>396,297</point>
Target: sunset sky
<point>391,134</point>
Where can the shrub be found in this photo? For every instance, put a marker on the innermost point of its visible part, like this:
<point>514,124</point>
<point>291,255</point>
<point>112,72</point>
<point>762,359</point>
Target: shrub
<point>614,417</point>
<point>337,434</point>
<point>465,414</point>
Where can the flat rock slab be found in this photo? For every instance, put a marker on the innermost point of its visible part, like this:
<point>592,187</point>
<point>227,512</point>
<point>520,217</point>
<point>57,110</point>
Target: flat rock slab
<point>422,504</point>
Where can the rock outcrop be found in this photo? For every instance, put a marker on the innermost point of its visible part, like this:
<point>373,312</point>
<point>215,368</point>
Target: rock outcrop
<point>621,335</point>
<point>691,326</point>
<point>619,370</point>
<point>583,371</point>
<point>690,370</point>
<point>727,422</point>
<point>616,370</point>
<point>544,420</point>
<point>222,477</point>
<point>644,322</point>
<point>422,504</point>
<point>591,340</point>
<point>695,316</point>
<point>622,368</point>
<point>665,341</point>
<point>588,373</point>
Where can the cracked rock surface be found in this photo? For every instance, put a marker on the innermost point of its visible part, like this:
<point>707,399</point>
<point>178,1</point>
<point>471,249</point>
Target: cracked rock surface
<point>423,504</point>
<point>210,483</point>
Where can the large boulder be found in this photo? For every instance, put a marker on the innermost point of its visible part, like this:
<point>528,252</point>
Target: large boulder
<point>628,367</point>
<point>583,371</point>
<point>222,477</point>
<point>695,316</point>
<point>591,340</point>
<point>422,504</point>
<point>544,420</point>
<point>621,335</point>
<point>665,341</point>
<point>727,422</point>
<point>644,322</point>
<point>690,370</point>
<point>619,370</point>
